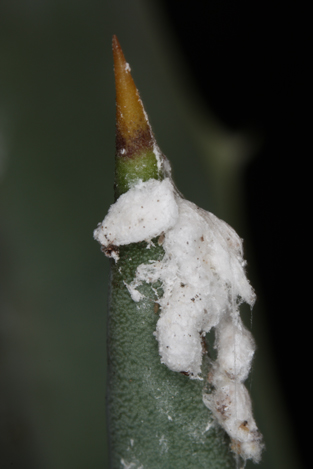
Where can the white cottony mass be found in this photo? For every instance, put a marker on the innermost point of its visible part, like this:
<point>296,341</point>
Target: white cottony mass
<point>203,280</point>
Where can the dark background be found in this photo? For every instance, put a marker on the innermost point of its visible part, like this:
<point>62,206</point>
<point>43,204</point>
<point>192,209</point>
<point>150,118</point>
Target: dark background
<point>225,85</point>
<point>250,63</point>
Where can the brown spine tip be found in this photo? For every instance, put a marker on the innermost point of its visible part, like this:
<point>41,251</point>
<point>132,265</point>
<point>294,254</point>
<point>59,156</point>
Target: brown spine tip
<point>133,132</point>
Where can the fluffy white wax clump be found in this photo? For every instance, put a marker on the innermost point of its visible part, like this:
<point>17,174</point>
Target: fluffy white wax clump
<point>203,280</point>
<point>142,213</point>
<point>230,401</point>
<point>235,349</point>
<point>231,406</point>
<point>202,275</point>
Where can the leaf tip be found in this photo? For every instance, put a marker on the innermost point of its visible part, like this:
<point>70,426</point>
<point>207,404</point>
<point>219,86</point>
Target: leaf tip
<point>133,132</point>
